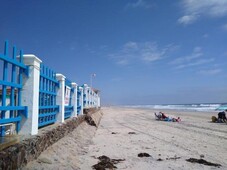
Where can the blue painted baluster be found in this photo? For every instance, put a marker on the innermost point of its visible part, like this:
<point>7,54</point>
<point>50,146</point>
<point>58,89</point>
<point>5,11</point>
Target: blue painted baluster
<point>51,96</point>
<point>46,95</point>
<point>4,90</point>
<point>52,89</point>
<point>13,80</point>
<point>48,85</point>
<point>20,78</point>
<point>55,91</point>
<point>40,91</point>
<point>19,89</point>
<point>40,88</point>
<point>43,94</point>
<point>45,88</point>
<point>48,98</point>
<point>43,81</point>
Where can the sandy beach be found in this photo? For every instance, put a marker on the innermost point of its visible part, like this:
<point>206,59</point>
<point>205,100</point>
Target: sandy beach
<point>124,133</point>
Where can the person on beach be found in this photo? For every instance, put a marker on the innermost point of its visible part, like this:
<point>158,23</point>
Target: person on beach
<point>162,116</point>
<point>222,116</point>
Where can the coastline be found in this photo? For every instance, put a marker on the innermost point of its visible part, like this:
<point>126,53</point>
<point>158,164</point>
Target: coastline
<point>124,133</point>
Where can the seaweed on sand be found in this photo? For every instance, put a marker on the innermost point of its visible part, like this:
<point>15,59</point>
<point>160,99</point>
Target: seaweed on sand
<point>144,155</point>
<point>202,161</point>
<point>105,162</point>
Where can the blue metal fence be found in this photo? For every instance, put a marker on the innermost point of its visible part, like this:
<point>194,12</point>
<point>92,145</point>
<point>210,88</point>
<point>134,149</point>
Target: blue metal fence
<point>85,99</point>
<point>78,100</point>
<point>69,106</point>
<point>47,96</point>
<point>10,89</point>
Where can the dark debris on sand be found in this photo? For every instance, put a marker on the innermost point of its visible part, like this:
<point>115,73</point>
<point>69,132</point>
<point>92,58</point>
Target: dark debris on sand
<point>106,163</point>
<point>144,155</point>
<point>202,161</point>
<point>114,133</point>
<point>159,159</point>
<point>173,158</point>
<point>131,133</point>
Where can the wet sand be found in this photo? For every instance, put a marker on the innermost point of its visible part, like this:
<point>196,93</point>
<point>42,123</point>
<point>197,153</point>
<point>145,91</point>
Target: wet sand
<point>124,133</point>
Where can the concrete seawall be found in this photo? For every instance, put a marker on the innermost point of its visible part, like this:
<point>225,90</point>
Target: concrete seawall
<point>19,154</point>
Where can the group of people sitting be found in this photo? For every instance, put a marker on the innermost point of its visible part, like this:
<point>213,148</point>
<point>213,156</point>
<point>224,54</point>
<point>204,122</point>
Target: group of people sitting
<point>221,117</point>
<point>162,116</point>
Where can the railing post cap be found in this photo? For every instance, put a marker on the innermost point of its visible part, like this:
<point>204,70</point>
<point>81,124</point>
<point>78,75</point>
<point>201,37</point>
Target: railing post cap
<point>74,84</point>
<point>30,59</point>
<point>60,77</point>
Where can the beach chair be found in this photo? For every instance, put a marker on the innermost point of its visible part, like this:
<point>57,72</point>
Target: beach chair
<point>158,117</point>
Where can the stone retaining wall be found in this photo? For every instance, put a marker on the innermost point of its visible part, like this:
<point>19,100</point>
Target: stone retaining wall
<point>93,117</point>
<point>18,155</point>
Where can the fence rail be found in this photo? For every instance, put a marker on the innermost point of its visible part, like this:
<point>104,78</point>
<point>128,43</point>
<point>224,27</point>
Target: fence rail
<point>47,96</point>
<point>79,101</point>
<point>10,87</point>
<point>69,90</point>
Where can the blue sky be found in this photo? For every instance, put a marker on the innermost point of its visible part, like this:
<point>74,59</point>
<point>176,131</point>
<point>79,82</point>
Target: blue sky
<point>142,51</point>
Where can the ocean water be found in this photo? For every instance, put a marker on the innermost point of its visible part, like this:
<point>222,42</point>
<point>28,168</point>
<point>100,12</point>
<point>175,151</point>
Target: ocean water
<point>207,107</point>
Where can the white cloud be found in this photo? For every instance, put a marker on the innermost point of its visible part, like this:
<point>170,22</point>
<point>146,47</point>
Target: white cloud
<point>193,9</point>
<point>200,62</point>
<point>130,47</point>
<point>197,52</point>
<point>143,52</point>
<point>187,19</point>
<point>194,59</point>
<point>139,3</point>
<point>210,72</point>
<point>150,52</point>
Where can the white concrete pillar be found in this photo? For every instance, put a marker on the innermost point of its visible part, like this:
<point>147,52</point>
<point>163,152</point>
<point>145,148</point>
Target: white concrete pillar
<point>81,100</point>
<point>94,98</point>
<point>74,100</point>
<point>60,100</point>
<point>91,97</point>
<point>98,100</point>
<point>30,95</point>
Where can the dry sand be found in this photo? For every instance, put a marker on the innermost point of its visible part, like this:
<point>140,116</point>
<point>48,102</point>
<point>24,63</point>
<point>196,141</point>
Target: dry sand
<point>169,144</point>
